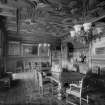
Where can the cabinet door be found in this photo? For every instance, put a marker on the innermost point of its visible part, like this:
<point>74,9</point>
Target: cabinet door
<point>1,52</point>
<point>1,43</point>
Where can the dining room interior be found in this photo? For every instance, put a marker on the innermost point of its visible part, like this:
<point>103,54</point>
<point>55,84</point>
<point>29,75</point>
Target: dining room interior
<point>52,52</point>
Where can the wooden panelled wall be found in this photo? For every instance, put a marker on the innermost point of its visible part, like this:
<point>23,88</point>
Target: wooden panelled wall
<point>3,41</point>
<point>30,39</point>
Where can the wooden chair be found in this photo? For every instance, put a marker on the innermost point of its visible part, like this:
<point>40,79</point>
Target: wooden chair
<point>27,66</point>
<point>19,66</point>
<point>43,87</point>
<point>76,90</point>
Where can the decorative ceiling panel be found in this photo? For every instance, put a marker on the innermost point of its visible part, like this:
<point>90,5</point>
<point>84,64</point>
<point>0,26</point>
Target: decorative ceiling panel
<point>53,17</point>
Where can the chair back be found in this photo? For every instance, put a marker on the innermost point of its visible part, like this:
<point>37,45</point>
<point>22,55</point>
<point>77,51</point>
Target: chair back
<point>40,79</point>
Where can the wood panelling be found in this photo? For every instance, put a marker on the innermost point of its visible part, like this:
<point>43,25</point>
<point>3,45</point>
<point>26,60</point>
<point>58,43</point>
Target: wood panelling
<point>54,17</point>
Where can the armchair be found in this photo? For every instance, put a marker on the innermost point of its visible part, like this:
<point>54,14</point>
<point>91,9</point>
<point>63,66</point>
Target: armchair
<point>76,90</point>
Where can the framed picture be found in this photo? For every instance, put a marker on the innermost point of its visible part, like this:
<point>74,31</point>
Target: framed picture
<point>43,51</point>
<point>29,49</point>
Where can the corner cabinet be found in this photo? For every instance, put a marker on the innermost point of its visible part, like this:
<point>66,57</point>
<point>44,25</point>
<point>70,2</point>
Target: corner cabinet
<point>2,52</point>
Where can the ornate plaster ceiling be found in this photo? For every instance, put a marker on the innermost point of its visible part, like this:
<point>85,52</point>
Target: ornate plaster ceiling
<point>53,17</point>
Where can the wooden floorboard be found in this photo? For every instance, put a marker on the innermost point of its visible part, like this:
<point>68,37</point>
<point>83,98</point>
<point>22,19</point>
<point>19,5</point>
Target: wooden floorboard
<point>25,90</point>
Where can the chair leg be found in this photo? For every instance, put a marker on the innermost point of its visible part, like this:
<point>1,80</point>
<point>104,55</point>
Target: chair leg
<point>87,99</point>
<point>80,101</point>
<point>41,91</point>
<point>66,97</point>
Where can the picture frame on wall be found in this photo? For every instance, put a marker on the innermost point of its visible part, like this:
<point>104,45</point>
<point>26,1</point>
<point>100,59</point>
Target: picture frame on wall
<point>43,51</point>
<point>29,50</point>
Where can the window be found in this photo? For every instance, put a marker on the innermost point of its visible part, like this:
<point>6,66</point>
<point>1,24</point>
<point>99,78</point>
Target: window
<point>44,50</point>
<point>29,49</point>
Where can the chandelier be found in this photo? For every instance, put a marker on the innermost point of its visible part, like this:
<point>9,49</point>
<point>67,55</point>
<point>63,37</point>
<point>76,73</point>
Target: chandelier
<point>86,32</point>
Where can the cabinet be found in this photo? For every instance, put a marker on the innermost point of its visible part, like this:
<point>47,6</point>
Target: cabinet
<point>1,52</point>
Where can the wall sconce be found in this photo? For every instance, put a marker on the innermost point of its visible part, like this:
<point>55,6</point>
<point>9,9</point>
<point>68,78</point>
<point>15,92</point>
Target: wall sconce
<point>48,45</point>
<point>77,28</point>
<point>99,30</point>
<point>40,45</point>
<point>45,44</point>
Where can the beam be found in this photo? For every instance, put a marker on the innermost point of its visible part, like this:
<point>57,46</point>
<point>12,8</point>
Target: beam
<point>3,6</point>
<point>96,19</point>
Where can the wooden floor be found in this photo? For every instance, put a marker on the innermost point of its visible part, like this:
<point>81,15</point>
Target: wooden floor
<point>24,90</point>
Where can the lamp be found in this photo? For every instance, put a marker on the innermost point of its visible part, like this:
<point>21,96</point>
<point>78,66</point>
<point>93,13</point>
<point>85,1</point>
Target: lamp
<point>45,44</point>
<point>40,45</point>
<point>48,45</point>
<point>72,33</point>
<point>99,30</point>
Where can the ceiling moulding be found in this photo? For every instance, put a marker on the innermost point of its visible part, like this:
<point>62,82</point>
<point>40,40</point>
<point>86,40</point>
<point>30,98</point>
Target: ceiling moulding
<point>3,6</point>
<point>33,37</point>
<point>18,3</point>
<point>12,29</point>
<point>39,32</point>
<point>7,11</point>
<point>7,14</point>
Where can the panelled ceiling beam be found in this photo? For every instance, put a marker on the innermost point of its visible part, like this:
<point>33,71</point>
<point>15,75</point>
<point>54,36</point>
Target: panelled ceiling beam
<point>97,19</point>
<point>7,14</point>
<point>34,40</point>
<point>36,36</point>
